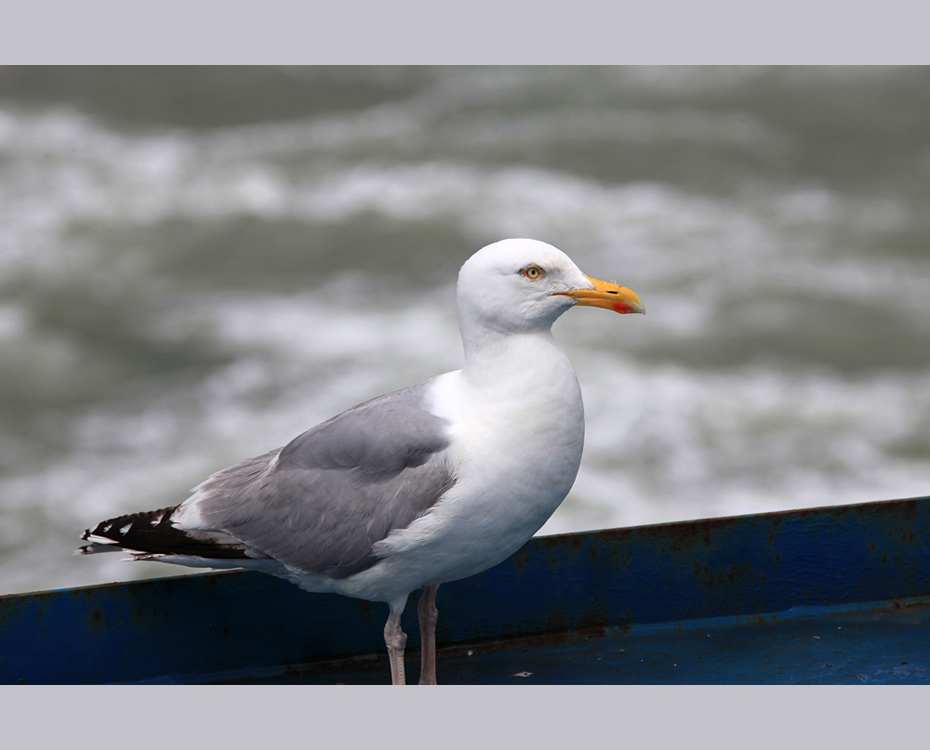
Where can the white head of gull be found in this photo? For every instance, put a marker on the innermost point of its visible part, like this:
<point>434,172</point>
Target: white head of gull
<point>428,484</point>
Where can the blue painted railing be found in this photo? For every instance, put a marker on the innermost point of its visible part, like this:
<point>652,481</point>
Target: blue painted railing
<point>193,628</point>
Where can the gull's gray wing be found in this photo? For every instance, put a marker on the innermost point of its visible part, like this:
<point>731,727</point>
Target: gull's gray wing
<point>318,504</point>
<point>322,501</point>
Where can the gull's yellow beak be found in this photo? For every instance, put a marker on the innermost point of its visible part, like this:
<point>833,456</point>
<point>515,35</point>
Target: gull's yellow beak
<point>608,295</point>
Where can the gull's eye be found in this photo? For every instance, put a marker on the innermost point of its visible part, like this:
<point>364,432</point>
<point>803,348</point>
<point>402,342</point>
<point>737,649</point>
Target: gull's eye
<point>533,272</point>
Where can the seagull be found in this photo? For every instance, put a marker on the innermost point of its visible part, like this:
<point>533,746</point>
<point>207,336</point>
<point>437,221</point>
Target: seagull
<point>424,485</point>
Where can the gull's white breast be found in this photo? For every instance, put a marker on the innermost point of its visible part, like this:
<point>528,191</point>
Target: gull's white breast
<point>515,449</point>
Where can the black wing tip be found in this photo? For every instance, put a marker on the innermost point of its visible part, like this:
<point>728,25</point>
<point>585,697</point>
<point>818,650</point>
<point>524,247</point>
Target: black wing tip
<point>122,533</point>
<point>151,535</point>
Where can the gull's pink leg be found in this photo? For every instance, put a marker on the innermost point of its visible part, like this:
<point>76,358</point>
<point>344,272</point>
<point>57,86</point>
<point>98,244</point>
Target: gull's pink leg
<point>396,639</point>
<point>428,614</point>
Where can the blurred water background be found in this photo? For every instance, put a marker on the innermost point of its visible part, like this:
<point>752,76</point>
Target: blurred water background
<point>197,264</point>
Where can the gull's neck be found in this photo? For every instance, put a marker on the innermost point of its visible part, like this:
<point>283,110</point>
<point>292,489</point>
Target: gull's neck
<point>494,358</point>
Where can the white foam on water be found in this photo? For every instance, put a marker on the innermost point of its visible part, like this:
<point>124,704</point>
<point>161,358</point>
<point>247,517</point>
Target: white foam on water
<point>669,444</point>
